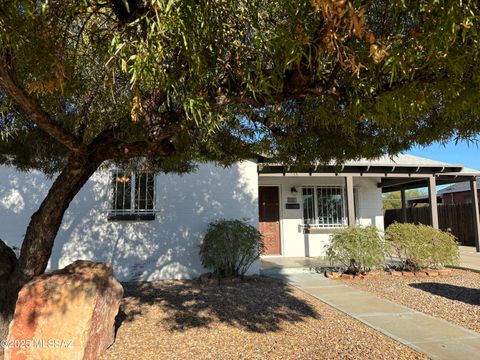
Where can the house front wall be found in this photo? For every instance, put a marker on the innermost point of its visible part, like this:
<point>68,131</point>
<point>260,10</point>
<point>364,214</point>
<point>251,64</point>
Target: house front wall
<point>164,248</point>
<point>294,240</point>
<point>457,198</point>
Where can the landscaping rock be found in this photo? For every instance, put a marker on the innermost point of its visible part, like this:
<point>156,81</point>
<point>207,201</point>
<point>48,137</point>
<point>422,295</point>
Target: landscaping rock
<point>454,298</point>
<point>335,275</point>
<point>371,275</point>
<point>395,273</point>
<point>263,318</point>
<point>66,314</point>
<point>408,274</point>
<point>332,275</point>
<point>346,276</point>
<point>431,273</point>
<point>421,274</point>
<point>374,274</point>
<point>445,272</point>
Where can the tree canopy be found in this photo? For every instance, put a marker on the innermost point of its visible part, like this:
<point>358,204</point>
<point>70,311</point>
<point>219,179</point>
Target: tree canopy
<point>172,82</point>
<point>223,80</point>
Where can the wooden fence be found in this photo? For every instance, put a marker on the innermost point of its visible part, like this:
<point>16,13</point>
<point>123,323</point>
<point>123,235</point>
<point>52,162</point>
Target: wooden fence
<point>455,218</point>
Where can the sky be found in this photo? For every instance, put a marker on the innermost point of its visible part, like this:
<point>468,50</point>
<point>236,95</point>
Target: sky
<point>463,153</point>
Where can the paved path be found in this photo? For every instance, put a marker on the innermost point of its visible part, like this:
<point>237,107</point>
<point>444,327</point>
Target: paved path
<point>469,258</point>
<point>435,337</point>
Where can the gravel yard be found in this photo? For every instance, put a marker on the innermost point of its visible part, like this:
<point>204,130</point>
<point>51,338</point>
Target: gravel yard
<point>261,318</point>
<point>455,298</point>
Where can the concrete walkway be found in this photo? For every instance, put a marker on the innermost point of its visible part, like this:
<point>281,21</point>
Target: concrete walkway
<point>435,337</point>
<point>469,258</point>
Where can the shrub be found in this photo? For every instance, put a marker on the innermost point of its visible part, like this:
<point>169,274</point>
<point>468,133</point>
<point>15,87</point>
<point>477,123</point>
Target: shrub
<point>230,247</point>
<point>358,249</point>
<point>421,246</point>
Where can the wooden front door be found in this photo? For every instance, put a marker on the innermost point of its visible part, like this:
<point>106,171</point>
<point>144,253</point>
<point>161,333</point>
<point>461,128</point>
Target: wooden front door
<point>269,218</point>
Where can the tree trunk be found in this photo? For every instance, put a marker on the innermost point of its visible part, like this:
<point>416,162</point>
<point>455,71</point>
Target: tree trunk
<point>42,230</point>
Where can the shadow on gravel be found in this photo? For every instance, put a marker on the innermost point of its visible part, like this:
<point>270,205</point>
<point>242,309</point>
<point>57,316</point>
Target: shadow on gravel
<point>453,292</point>
<point>257,305</point>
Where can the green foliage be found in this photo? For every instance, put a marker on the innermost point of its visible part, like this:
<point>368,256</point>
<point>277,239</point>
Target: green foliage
<point>226,80</point>
<point>392,200</point>
<point>421,246</point>
<point>230,247</point>
<point>357,249</point>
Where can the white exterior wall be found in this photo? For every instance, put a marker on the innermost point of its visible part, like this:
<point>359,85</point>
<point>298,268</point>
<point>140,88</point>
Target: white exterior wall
<point>165,248</point>
<point>293,241</point>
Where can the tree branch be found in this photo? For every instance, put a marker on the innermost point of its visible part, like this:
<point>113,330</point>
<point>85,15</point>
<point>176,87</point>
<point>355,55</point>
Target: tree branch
<point>110,145</point>
<point>33,109</point>
<point>306,92</point>
<point>255,117</point>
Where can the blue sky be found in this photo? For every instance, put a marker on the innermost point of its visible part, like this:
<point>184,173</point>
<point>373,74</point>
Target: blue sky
<point>466,153</point>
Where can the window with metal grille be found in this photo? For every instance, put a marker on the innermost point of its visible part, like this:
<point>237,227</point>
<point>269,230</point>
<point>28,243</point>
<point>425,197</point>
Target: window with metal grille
<point>132,196</point>
<point>325,206</point>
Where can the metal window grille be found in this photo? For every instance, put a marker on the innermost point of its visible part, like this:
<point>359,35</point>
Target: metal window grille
<point>308,205</point>
<point>131,193</point>
<point>324,206</point>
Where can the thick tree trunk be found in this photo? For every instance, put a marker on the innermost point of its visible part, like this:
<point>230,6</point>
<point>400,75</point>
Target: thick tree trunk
<point>42,230</point>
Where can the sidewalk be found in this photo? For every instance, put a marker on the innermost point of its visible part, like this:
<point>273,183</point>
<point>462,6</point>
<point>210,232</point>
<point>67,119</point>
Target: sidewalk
<point>469,258</point>
<point>435,337</point>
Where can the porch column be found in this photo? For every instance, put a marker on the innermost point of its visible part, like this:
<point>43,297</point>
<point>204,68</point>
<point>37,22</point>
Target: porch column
<point>476,215</point>
<point>404,206</point>
<point>350,200</point>
<point>432,194</point>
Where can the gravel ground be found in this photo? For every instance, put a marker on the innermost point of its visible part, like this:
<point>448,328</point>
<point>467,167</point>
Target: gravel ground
<point>455,298</point>
<point>257,319</point>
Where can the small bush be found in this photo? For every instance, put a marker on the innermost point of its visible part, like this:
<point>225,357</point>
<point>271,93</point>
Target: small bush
<point>420,246</point>
<point>358,249</point>
<point>230,247</point>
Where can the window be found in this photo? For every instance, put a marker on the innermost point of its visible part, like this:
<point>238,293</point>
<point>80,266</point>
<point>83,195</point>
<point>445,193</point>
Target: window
<point>325,206</point>
<point>132,196</point>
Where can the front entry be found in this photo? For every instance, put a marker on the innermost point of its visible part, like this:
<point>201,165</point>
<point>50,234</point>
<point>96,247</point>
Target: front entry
<point>269,218</point>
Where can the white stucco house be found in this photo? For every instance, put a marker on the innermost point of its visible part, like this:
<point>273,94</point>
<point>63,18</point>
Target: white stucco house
<point>150,226</point>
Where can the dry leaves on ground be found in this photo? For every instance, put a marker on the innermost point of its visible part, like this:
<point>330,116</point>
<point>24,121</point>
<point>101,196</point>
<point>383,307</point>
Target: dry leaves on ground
<point>260,318</point>
<point>455,298</point>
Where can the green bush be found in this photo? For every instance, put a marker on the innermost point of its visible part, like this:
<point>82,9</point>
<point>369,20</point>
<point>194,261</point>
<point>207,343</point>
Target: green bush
<point>357,249</point>
<point>230,247</point>
<point>420,246</point>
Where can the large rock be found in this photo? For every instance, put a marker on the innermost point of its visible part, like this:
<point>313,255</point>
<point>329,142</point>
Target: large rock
<point>66,314</point>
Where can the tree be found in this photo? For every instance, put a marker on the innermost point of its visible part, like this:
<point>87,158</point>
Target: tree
<point>172,82</point>
<point>392,200</point>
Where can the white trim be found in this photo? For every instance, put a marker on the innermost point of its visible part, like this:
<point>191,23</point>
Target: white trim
<point>365,175</point>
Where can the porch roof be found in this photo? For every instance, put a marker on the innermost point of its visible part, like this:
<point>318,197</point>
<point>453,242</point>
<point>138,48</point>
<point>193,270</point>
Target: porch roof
<point>458,187</point>
<point>396,172</point>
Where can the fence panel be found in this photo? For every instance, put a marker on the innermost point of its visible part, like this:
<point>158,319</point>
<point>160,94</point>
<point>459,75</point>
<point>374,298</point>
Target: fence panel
<point>455,218</point>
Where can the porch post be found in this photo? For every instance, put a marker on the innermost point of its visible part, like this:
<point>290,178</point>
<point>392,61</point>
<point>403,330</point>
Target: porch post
<point>476,215</point>
<point>404,206</point>
<point>432,194</point>
<point>350,200</point>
